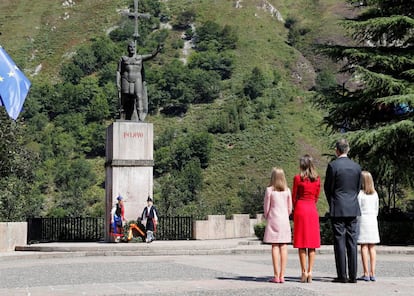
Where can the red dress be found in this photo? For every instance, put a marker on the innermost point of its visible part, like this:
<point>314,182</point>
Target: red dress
<point>305,194</point>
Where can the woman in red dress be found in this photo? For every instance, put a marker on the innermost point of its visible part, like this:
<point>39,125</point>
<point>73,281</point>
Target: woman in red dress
<point>306,234</point>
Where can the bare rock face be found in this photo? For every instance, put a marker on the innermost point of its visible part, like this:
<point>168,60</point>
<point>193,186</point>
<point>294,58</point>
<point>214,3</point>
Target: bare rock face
<point>303,73</point>
<point>265,5</point>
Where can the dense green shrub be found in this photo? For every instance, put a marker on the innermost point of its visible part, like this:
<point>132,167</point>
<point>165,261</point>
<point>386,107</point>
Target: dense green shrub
<point>252,198</point>
<point>326,231</point>
<point>290,22</point>
<point>184,19</point>
<point>399,233</point>
<point>255,84</point>
<point>259,230</point>
<point>396,232</point>
<point>219,124</point>
<point>207,84</point>
<point>231,120</point>
<point>220,62</point>
<point>211,36</point>
<point>391,232</point>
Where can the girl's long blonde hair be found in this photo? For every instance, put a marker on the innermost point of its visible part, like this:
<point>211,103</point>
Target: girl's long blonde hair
<point>278,180</point>
<point>367,182</point>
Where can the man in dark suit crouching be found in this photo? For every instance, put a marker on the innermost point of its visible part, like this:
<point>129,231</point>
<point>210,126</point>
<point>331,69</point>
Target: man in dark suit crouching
<point>342,185</point>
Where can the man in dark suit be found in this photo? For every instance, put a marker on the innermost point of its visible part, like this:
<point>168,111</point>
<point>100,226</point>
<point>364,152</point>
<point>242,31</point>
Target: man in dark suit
<point>342,185</point>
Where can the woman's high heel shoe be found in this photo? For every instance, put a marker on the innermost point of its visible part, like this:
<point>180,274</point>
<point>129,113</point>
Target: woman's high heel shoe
<point>309,278</point>
<point>304,277</point>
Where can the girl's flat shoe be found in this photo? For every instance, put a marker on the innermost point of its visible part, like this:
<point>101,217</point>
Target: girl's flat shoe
<point>364,278</point>
<point>372,278</point>
<point>309,278</point>
<point>282,280</point>
<point>274,280</point>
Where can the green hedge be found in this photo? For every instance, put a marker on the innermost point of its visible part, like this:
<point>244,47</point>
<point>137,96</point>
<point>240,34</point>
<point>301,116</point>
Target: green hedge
<point>259,230</point>
<point>398,233</point>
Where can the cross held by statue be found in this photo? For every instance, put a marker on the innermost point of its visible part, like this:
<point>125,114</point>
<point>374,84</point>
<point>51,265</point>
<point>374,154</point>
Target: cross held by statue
<point>136,16</point>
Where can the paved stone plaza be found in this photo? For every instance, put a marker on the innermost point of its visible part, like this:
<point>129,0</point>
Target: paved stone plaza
<point>225,270</point>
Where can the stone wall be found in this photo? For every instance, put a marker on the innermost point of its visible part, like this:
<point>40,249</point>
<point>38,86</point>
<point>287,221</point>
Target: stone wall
<point>217,227</point>
<point>12,234</point>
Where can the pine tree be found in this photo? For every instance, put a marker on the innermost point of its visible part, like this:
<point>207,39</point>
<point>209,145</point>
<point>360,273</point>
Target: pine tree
<point>375,107</point>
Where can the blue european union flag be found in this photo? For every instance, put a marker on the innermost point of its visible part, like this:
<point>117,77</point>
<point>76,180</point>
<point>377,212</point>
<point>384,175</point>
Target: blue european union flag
<point>14,86</point>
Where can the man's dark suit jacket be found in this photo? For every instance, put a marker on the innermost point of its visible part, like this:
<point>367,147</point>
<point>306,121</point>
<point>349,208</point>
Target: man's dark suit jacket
<point>342,185</point>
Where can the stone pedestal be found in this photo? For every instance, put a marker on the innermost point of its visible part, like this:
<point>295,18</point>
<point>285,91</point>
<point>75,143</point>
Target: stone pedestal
<point>129,167</point>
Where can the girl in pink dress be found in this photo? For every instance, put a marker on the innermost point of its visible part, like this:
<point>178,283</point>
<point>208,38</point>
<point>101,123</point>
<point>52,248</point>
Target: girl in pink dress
<point>306,234</point>
<point>277,208</point>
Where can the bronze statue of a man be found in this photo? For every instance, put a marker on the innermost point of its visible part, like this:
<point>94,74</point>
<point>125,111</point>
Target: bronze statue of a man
<point>130,80</point>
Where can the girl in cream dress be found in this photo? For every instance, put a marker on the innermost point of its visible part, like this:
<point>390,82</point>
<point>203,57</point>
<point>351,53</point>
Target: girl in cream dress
<point>368,225</point>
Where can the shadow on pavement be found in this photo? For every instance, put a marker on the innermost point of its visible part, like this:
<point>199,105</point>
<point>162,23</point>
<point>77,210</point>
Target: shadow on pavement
<point>245,278</point>
<point>266,279</point>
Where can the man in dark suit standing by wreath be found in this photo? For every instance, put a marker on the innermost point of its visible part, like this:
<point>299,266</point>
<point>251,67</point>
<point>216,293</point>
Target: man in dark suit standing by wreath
<point>149,218</point>
<point>342,185</point>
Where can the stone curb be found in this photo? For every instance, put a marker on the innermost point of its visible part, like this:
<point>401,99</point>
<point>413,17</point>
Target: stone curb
<point>164,248</point>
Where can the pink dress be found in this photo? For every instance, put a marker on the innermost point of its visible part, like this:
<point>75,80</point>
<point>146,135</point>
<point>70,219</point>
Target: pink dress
<point>277,208</point>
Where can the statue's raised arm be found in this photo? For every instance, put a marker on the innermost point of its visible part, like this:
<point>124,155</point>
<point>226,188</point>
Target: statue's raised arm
<point>153,54</point>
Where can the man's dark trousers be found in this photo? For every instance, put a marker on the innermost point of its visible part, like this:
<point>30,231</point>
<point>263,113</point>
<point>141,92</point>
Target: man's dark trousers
<point>345,246</point>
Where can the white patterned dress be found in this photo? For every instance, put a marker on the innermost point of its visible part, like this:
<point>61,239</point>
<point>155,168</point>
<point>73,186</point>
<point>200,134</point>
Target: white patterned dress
<point>367,222</point>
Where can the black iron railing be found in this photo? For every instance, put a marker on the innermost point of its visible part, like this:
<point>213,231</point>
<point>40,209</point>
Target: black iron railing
<point>175,228</point>
<point>80,229</point>
<point>87,229</point>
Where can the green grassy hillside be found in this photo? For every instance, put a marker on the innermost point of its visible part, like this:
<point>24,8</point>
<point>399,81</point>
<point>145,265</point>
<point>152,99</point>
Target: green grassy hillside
<point>46,32</point>
<point>243,161</point>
